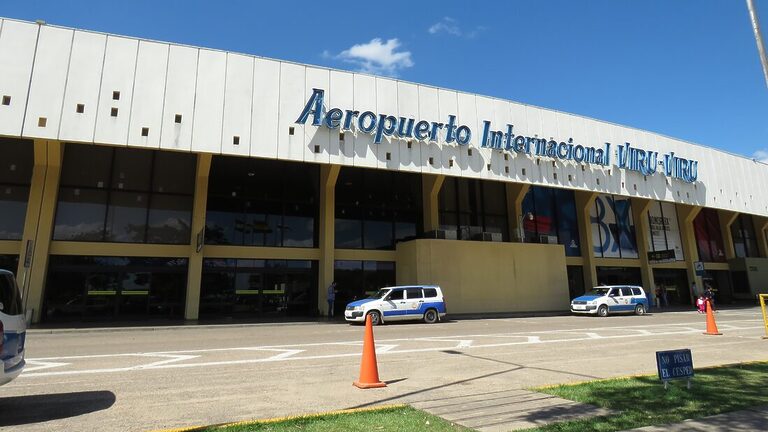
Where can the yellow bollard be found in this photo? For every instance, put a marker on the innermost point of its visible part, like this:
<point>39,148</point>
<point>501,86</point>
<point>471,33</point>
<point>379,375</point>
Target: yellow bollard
<point>763,300</point>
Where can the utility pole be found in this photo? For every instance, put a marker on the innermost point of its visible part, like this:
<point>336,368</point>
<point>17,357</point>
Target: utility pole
<point>758,38</point>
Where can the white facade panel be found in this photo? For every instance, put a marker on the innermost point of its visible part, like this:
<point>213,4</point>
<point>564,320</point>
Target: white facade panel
<point>519,161</point>
<point>209,101</point>
<point>408,107</point>
<point>116,91</point>
<point>317,139</point>
<point>179,104</point>
<point>49,77</point>
<point>83,83</point>
<point>17,51</point>
<point>292,100</point>
<point>238,101</point>
<point>388,150</point>
<point>365,100</point>
<point>429,111</point>
<point>448,104</point>
<point>148,95</point>
<point>266,103</point>
<point>341,95</point>
<point>470,160</point>
<point>535,130</point>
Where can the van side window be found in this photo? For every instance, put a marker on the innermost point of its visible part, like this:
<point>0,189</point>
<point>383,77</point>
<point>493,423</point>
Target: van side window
<point>414,293</point>
<point>626,291</point>
<point>635,291</point>
<point>430,292</point>
<point>614,292</point>
<point>396,295</point>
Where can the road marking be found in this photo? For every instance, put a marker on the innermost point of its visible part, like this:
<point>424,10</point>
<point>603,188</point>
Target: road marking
<point>40,365</point>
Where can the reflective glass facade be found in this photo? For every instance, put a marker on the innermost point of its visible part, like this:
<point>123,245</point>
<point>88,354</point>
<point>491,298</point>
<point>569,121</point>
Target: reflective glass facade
<point>125,195</point>
<point>254,202</point>
<point>709,237</point>
<point>613,228</point>
<point>744,238</point>
<point>552,218</point>
<point>356,280</point>
<point>15,176</point>
<point>474,209</point>
<point>376,209</point>
<point>114,288</point>
<point>259,289</point>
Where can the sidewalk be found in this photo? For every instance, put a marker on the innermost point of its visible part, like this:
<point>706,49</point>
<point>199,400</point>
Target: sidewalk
<point>750,420</point>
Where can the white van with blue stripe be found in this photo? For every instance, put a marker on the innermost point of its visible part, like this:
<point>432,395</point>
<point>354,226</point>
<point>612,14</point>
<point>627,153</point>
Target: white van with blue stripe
<point>603,300</point>
<point>12,327</point>
<point>413,302</point>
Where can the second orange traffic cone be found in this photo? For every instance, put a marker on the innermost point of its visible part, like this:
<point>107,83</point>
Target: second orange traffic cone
<point>369,371</point>
<point>711,326</point>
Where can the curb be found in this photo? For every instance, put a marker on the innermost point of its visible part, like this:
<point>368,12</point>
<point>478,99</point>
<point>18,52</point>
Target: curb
<point>282,419</point>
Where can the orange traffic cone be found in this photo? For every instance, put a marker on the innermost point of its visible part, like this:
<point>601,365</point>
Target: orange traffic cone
<point>369,371</point>
<point>711,326</point>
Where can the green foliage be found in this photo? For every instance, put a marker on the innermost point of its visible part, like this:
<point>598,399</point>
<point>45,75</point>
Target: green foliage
<point>642,401</point>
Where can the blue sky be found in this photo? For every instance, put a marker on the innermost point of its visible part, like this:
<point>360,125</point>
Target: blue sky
<point>687,68</point>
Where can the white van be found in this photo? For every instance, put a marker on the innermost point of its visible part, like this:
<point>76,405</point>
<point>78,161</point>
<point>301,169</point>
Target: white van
<point>602,300</point>
<point>415,302</point>
<point>12,327</point>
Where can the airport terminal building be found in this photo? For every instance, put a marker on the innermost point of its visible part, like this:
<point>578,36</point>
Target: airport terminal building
<point>145,180</point>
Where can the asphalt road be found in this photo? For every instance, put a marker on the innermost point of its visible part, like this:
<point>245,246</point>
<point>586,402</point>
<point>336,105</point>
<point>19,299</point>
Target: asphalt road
<point>145,379</point>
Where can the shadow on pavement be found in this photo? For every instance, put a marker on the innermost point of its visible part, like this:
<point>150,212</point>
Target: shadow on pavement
<point>20,410</point>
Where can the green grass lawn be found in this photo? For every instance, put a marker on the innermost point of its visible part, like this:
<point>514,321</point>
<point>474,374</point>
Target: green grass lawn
<point>399,418</point>
<point>642,401</point>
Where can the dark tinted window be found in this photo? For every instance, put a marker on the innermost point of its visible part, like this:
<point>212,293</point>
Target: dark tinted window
<point>430,292</point>
<point>614,292</point>
<point>396,295</point>
<point>626,291</point>
<point>635,291</point>
<point>10,300</point>
<point>414,293</point>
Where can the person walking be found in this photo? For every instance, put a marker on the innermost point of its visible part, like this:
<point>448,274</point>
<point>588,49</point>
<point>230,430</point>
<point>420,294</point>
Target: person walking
<point>331,298</point>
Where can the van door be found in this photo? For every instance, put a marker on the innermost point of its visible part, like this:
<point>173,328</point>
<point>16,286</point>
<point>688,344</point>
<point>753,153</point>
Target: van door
<point>414,299</point>
<point>394,307</point>
<point>615,300</point>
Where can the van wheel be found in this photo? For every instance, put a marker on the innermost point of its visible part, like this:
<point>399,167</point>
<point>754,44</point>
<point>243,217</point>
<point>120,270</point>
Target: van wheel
<point>602,311</point>
<point>375,317</point>
<point>639,310</point>
<point>430,316</point>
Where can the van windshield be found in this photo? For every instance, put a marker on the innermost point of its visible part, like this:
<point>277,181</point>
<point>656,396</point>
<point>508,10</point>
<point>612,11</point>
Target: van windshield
<point>380,293</point>
<point>10,299</point>
<point>598,291</point>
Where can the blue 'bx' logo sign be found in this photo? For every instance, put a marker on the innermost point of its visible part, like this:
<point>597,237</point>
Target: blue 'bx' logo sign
<point>677,364</point>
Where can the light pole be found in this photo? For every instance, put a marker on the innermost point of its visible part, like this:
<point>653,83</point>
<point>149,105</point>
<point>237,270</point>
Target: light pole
<point>758,38</point>
<point>520,231</point>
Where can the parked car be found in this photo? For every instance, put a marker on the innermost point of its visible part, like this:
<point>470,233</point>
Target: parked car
<point>415,302</point>
<point>603,300</point>
<point>12,328</point>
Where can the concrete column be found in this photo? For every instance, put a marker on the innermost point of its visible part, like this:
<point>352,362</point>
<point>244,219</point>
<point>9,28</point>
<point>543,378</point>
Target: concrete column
<point>585,201</point>
<point>761,231</point>
<point>38,225</point>
<point>515,195</point>
<point>640,208</point>
<point>199,205</point>
<point>430,189</point>
<point>686,214</point>
<point>727,218</point>
<point>327,224</point>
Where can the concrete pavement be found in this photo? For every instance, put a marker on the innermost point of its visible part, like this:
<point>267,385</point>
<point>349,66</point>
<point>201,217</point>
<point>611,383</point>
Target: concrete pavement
<point>751,420</point>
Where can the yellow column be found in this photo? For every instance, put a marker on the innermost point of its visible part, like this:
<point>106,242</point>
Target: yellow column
<point>640,208</point>
<point>199,205</point>
<point>686,214</point>
<point>515,195</point>
<point>585,201</point>
<point>430,189</point>
<point>327,237</point>
<point>726,220</point>
<point>761,231</point>
<point>38,225</point>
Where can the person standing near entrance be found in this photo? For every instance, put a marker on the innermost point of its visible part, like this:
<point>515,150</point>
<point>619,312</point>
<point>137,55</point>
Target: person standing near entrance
<point>331,298</point>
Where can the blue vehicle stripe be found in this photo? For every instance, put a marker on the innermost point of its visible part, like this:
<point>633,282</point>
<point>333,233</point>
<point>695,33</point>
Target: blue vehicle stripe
<point>395,312</point>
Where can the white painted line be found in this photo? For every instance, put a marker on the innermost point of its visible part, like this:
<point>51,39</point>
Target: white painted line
<point>40,365</point>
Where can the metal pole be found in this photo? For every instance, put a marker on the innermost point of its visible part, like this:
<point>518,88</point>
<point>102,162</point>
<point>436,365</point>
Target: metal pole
<point>758,38</point>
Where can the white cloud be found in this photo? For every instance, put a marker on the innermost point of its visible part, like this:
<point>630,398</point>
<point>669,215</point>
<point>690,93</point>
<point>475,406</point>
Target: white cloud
<point>447,25</point>
<point>450,26</point>
<point>761,155</point>
<point>377,57</point>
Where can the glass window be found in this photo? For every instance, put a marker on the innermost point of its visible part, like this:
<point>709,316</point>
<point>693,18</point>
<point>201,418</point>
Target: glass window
<point>86,166</point>
<point>15,178</point>
<point>132,169</point>
<point>396,295</point>
<point>170,219</point>
<point>80,215</point>
<point>13,201</point>
<point>414,293</point>
<point>180,179</point>
<point>430,292</point>
<point>635,291</point>
<point>17,162</point>
<point>10,298</point>
<point>127,217</point>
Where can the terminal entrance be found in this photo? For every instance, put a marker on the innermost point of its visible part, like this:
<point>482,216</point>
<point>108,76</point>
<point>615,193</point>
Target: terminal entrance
<point>673,283</point>
<point>618,276</point>
<point>258,289</point>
